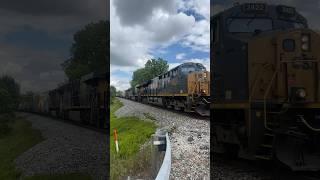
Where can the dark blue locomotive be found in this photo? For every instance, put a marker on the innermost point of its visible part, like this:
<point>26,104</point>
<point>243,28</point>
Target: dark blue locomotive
<point>185,87</point>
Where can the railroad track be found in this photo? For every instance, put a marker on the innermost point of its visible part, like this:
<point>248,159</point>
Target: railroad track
<point>189,114</point>
<point>225,168</point>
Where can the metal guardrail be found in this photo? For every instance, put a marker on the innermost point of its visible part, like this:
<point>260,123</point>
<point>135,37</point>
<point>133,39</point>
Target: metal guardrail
<point>164,172</point>
<point>160,157</point>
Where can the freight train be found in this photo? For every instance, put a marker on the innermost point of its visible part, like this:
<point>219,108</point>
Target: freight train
<point>185,87</point>
<point>266,89</point>
<point>84,100</point>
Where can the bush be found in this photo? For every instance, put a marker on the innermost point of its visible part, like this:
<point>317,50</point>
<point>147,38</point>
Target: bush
<point>6,101</point>
<point>9,94</point>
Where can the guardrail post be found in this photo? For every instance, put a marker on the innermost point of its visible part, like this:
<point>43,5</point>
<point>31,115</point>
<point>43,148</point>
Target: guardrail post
<point>162,163</point>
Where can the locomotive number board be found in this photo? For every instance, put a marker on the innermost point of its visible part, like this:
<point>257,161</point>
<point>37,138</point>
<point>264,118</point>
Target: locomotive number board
<point>286,10</point>
<point>254,7</point>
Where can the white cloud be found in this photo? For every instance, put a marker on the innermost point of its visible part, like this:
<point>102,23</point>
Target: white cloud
<point>199,39</point>
<point>180,56</point>
<point>137,27</point>
<point>131,44</point>
<point>119,82</point>
<point>173,65</point>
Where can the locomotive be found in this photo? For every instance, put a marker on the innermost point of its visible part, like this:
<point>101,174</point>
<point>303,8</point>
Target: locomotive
<point>84,100</point>
<point>185,87</point>
<point>266,90</point>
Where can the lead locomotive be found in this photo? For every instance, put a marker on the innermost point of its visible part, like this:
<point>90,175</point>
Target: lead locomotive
<point>266,89</point>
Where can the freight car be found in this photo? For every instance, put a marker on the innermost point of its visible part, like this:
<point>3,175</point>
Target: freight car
<point>185,87</point>
<point>131,93</point>
<point>84,100</point>
<point>266,93</point>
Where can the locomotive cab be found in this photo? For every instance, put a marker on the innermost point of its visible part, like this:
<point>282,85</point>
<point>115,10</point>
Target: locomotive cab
<point>266,85</point>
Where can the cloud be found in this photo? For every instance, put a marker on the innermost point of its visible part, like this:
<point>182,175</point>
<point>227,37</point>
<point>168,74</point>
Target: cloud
<point>142,28</point>
<point>35,60</point>
<point>131,43</point>
<point>135,32</point>
<point>121,83</point>
<point>140,11</point>
<point>173,65</point>
<point>34,70</point>
<point>55,8</point>
<point>180,56</point>
<point>199,39</point>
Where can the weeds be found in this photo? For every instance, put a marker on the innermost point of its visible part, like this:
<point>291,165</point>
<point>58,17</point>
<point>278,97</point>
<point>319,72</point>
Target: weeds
<point>132,134</point>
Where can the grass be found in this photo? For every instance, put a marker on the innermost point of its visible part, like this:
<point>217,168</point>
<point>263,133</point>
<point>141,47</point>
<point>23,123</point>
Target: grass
<point>19,138</point>
<point>132,134</point>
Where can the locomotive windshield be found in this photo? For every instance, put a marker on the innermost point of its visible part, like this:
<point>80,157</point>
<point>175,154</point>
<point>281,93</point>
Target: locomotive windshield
<point>192,68</point>
<point>283,24</point>
<point>188,69</point>
<point>248,25</point>
<point>251,25</point>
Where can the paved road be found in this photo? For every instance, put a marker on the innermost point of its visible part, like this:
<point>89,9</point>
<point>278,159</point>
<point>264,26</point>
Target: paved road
<point>66,148</point>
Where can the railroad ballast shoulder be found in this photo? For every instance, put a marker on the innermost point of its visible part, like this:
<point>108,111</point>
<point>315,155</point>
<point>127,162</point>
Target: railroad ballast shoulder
<point>185,87</point>
<point>266,88</point>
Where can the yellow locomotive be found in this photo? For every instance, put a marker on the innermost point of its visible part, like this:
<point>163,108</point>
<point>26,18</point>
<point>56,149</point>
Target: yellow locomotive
<point>266,89</point>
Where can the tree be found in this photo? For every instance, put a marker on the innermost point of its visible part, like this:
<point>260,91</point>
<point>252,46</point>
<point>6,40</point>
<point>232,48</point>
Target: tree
<point>113,91</point>
<point>9,94</point>
<point>152,68</point>
<point>89,51</point>
<point>119,93</point>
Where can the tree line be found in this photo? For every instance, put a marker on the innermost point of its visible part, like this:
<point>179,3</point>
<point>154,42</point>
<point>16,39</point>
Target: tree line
<point>152,68</point>
<point>9,94</point>
<point>89,51</point>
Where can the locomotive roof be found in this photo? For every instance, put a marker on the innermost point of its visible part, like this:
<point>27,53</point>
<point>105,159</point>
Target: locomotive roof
<point>175,68</point>
<point>255,10</point>
<point>93,76</point>
<point>88,78</point>
<point>179,66</point>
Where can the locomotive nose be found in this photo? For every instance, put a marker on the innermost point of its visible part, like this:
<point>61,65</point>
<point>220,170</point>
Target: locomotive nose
<point>299,57</point>
<point>301,93</point>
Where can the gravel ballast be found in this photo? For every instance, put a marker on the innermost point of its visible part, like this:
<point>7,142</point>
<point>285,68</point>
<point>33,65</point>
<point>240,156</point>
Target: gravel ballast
<point>190,139</point>
<point>66,149</point>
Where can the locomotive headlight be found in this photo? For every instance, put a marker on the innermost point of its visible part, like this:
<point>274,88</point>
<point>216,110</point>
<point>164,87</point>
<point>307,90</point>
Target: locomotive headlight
<point>301,93</point>
<point>305,38</point>
<point>305,46</point>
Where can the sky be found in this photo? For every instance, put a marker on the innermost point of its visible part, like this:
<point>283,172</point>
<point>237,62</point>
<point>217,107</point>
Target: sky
<point>175,30</point>
<point>36,35</point>
<point>309,9</point>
